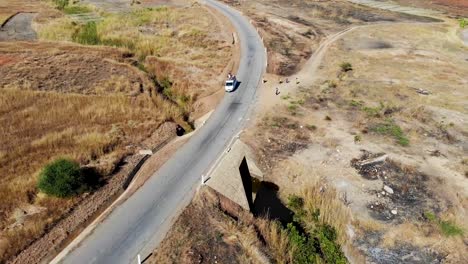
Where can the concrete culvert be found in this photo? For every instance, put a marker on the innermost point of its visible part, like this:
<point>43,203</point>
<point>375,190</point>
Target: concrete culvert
<point>18,27</point>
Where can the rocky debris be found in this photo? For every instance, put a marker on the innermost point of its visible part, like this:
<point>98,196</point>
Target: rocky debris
<point>403,187</point>
<point>388,189</point>
<point>422,91</point>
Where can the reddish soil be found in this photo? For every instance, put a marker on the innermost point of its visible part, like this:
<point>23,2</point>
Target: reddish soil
<point>4,60</point>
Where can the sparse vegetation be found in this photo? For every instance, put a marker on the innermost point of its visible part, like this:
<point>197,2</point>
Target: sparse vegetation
<point>76,9</point>
<point>346,67</point>
<point>319,242</point>
<point>61,4</point>
<point>87,34</point>
<point>463,22</point>
<point>390,128</point>
<point>448,228</point>
<point>357,138</point>
<point>62,178</point>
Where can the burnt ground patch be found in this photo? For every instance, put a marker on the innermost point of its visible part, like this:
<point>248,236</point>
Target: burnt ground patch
<point>406,195</point>
<point>370,242</point>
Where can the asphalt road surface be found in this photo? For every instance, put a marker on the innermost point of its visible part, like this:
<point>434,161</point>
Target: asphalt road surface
<point>139,224</point>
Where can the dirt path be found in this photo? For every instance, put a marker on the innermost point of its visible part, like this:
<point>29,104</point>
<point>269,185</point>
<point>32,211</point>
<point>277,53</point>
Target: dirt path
<point>18,27</point>
<point>306,75</point>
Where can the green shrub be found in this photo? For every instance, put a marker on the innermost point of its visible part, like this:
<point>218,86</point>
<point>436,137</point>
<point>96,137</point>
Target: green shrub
<point>62,178</point>
<point>304,250</point>
<point>357,138</point>
<point>330,250</point>
<point>346,67</point>
<point>87,34</point>
<point>76,9</point>
<point>463,22</point>
<point>450,229</point>
<point>295,202</point>
<point>430,216</point>
<point>389,128</point>
<point>61,4</point>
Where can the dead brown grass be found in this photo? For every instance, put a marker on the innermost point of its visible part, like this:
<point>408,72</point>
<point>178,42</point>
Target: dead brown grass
<point>93,104</point>
<point>37,127</point>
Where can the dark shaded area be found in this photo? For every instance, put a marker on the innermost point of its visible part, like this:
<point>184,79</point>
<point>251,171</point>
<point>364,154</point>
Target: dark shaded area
<point>92,178</point>
<point>180,131</point>
<point>132,174</point>
<point>246,181</point>
<point>267,204</point>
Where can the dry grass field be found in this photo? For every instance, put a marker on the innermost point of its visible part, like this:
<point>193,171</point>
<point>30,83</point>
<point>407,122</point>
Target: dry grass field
<point>44,118</point>
<point>188,53</point>
<point>98,102</point>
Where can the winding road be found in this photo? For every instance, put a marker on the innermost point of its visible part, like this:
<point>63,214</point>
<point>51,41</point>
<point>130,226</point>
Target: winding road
<point>139,224</point>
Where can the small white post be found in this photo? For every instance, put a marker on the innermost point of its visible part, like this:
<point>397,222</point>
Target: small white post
<point>202,179</point>
<point>139,259</point>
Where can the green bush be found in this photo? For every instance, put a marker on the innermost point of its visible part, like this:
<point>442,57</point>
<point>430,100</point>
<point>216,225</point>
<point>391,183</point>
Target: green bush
<point>463,22</point>
<point>304,250</point>
<point>61,4</point>
<point>87,34</point>
<point>450,229</point>
<point>346,67</point>
<point>76,9</point>
<point>295,202</point>
<point>62,178</point>
<point>318,244</point>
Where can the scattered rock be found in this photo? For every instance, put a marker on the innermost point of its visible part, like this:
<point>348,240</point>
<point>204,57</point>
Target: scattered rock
<point>394,212</point>
<point>388,189</point>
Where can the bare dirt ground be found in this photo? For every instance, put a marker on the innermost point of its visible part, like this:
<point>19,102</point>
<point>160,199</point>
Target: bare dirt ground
<point>99,106</point>
<point>451,7</point>
<point>387,131</point>
<point>293,30</point>
<point>347,117</point>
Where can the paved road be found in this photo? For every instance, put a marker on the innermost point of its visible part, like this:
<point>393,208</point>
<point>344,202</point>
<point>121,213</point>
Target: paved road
<point>139,224</point>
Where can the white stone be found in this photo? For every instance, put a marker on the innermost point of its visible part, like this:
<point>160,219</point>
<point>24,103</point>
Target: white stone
<point>394,211</point>
<point>146,152</point>
<point>388,189</point>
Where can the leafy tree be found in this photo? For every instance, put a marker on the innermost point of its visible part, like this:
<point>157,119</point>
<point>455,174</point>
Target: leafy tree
<point>62,178</point>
